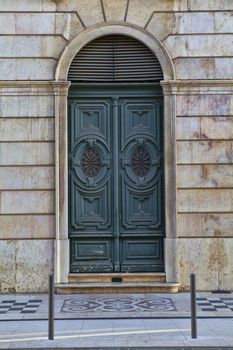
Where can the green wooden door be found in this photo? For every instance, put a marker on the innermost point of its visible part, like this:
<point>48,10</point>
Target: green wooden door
<point>116,217</point>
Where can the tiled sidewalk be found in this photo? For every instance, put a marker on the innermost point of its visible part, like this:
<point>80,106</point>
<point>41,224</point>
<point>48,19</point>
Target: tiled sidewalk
<point>90,306</point>
<point>115,321</point>
<point>107,334</point>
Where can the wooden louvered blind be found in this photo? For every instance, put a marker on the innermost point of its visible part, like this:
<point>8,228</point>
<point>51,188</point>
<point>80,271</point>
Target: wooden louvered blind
<point>115,58</point>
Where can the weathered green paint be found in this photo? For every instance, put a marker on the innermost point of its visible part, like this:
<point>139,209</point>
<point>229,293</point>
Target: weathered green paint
<point>116,216</point>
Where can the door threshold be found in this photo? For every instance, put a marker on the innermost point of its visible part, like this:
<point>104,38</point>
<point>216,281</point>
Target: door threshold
<point>117,277</point>
<point>116,288</point>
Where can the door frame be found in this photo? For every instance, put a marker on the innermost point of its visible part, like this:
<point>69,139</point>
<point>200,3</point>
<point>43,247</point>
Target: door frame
<point>61,87</point>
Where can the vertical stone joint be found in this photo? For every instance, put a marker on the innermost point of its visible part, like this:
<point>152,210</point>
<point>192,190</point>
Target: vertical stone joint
<point>80,19</point>
<point>103,10</point>
<point>150,18</point>
<point>126,10</point>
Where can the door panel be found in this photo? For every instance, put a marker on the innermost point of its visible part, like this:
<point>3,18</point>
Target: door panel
<point>141,184</point>
<point>115,184</point>
<point>141,255</point>
<point>90,182</point>
<point>91,255</point>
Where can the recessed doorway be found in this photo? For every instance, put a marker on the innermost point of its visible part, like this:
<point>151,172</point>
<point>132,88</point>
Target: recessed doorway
<point>116,177</point>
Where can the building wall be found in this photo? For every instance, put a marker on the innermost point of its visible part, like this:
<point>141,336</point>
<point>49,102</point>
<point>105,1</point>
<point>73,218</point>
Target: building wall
<point>198,36</point>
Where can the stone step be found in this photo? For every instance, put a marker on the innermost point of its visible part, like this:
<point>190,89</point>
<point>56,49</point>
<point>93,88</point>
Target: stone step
<point>116,277</point>
<point>116,287</point>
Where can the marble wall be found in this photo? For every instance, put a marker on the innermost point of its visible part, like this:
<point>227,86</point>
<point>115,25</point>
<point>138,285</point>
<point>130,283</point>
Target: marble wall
<point>198,36</point>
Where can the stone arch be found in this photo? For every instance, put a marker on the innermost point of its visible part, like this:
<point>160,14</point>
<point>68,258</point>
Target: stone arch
<point>130,30</point>
<point>61,86</point>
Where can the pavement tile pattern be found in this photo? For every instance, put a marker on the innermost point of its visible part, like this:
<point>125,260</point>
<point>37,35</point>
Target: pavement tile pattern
<point>215,304</point>
<point>23,307</point>
<point>118,306</point>
<point>124,304</point>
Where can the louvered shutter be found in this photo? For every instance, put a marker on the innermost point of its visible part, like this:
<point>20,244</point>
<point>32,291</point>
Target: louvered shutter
<point>115,58</point>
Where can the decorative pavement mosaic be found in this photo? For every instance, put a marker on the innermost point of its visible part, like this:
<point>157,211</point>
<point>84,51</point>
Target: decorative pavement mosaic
<point>215,304</point>
<point>122,304</point>
<point>24,307</point>
<point>84,306</point>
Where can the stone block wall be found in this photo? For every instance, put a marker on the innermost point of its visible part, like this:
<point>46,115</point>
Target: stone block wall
<point>27,185</point>
<point>205,185</point>
<point>198,36</point>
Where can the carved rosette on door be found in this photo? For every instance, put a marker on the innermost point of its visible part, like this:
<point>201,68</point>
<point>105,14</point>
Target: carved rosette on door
<point>141,166</point>
<point>91,164</point>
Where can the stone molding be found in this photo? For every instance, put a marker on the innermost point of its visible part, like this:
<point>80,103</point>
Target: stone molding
<point>171,245</point>
<point>170,87</point>
<point>33,88</point>
<point>110,28</point>
<point>198,87</point>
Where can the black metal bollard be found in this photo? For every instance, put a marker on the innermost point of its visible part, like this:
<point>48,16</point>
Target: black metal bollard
<point>51,308</point>
<point>193,305</point>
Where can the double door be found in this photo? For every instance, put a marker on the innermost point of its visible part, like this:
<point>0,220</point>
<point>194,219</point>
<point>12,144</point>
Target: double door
<point>116,216</point>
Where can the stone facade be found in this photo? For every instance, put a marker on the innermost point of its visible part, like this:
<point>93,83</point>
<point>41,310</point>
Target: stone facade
<point>196,37</point>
